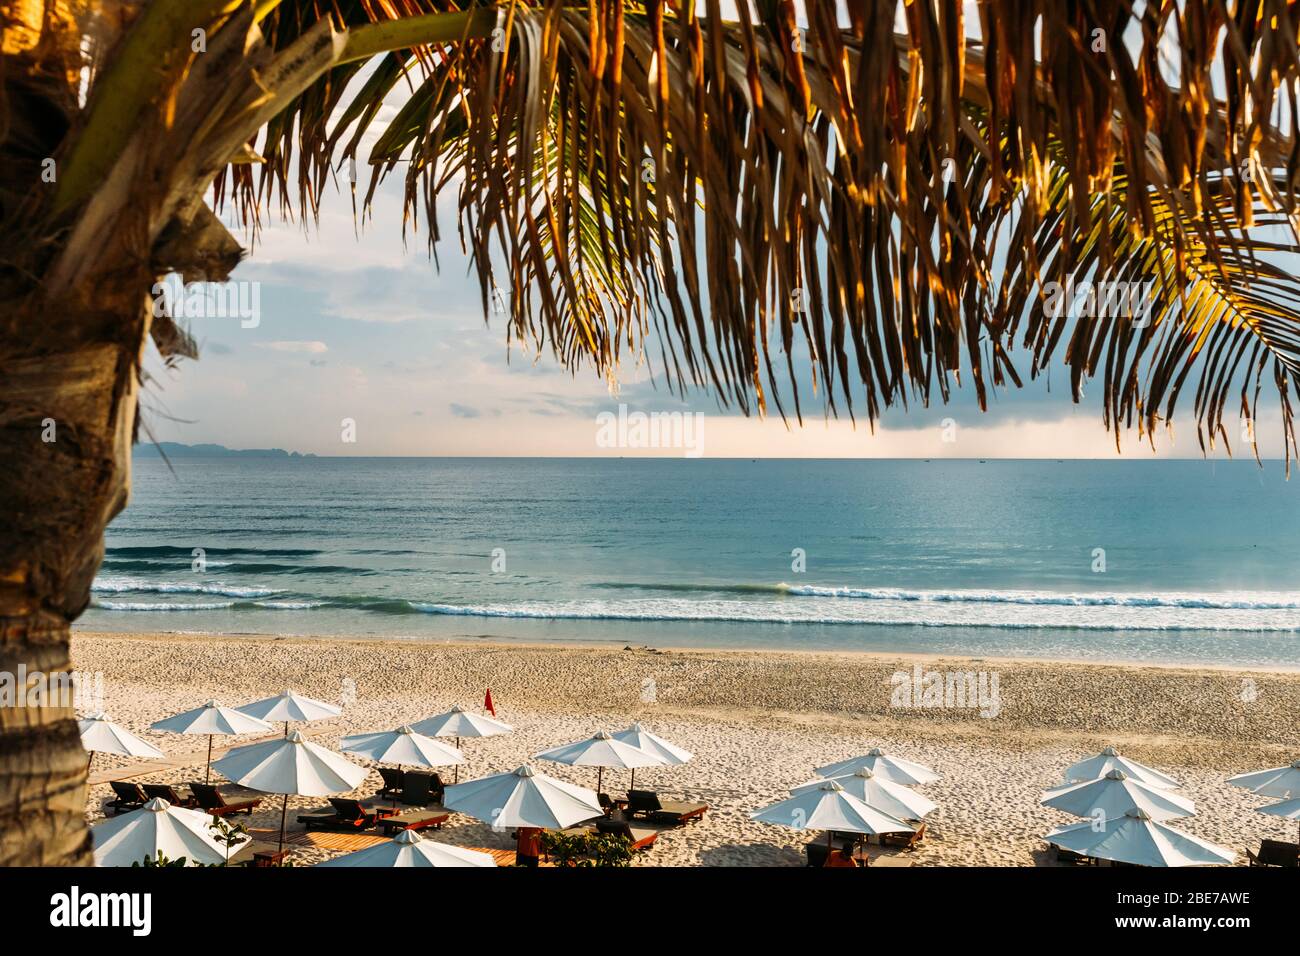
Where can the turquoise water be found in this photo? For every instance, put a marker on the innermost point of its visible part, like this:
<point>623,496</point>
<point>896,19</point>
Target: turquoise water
<point>1201,562</point>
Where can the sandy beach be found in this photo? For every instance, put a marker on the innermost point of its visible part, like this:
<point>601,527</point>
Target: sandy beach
<point>757,722</point>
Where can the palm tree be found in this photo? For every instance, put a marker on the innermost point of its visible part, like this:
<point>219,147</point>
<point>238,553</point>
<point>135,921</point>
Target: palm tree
<point>888,184</point>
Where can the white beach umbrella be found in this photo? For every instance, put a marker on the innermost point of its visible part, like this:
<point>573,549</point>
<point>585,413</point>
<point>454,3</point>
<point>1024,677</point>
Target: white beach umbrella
<point>211,719</point>
<point>1281,782</point>
<point>289,705</point>
<point>1115,795</point>
<point>1287,810</point>
<point>99,735</point>
<point>638,736</point>
<point>459,722</point>
<point>601,751</point>
<point>402,746</point>
<point>523,798</point>
<point>157,827</point>
<point>1136,838</point>
<point>894,769</point>
<point>879,793</point>
<point>291,765</point>
<point>409,849</point>
<point>829,806</point>
<point>1098,765</point>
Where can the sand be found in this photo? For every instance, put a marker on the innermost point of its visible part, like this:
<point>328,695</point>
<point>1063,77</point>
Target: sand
<point>757,722</point>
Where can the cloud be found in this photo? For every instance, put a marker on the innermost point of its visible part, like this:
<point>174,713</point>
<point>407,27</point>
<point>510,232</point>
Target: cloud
<point>463,411</point>
<point>314,348</point>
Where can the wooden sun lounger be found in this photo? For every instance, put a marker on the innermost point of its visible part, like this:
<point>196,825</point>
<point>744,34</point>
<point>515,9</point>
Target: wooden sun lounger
<point>180,796</point>
<point>906,840</point>
<point>346,814</point>
<point>676,812</point>
<point>212,801</point>
<point>1275,853</point>
<point>127,796</point>
<point>414,820</point>
<point>641,838</point>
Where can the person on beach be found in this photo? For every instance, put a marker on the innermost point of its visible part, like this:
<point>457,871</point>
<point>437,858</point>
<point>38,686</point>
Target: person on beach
<point>528,846</point>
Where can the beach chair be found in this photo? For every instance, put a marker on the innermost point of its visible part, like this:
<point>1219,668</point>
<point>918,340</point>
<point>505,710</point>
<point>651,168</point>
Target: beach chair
<point>640,838</point>
<point>817,852</point>
<point>1275,853</point>
<point>211,801</point>
<point>1070,858</point>
<point>128,796</point>
<point>177,798</point>
<point>907,841</point>
<point>345,814</point>
<point>413,820</point>
<point>675,812</point>
<point>606,804</point>
<point>421,789</point>
<point>392,778</point>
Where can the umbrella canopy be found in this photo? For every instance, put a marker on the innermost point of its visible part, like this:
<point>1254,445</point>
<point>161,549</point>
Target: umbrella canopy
<point>523,798</point>
<point>402,746</point>
<point>1287,810</point>
<point>639,737</point>
<point>410,849</point>
<point>893,769</point>
<point>1136,838</point>
<point>155,828</point>
<point>100,735</point>
<point>829,806</point>
<point>459,722</point>
<point>602,751</point>
<point>1110,759</point>
<point>1281,782</point>
<point>291,764</point>
<point>211,719</point>
<point>287,706</point>
<point>878,793</point>
<point>1115,795</point>
<point>288,765</point>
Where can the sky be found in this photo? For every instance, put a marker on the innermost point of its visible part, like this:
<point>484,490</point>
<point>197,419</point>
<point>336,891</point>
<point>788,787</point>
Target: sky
<point>360,337</point>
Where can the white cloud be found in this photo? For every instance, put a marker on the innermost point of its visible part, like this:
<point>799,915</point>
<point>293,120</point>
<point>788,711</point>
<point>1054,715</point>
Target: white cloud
<point>314,348</point>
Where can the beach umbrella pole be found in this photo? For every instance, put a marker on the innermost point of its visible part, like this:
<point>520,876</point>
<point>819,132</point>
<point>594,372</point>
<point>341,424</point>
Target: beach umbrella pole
<point>456,778</point>
<point>207,773</point>
<point>284,808</point>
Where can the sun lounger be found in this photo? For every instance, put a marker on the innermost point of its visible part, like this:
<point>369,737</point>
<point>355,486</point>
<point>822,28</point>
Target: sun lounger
<point>641,838</point>
<point>176,796</point>
<point>392,778</point>
<point>421,789</point>
<point>212,801</point>
<point>647,803</point>
<point>906,840</point>
<point>128,796</point>
<point>346,814</point>
<point>413,820</point>
<point>1070,858</point>
<point>1275,853</point>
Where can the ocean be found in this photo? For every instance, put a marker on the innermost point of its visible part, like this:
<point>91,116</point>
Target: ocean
<point>1151,561</point>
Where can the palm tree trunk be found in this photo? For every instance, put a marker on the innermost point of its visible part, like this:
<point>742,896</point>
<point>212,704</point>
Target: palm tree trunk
<point>66,422</point>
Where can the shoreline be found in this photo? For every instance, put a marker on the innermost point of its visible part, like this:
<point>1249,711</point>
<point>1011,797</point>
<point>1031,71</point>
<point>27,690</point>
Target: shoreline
<point>757,722</point>
<point>501,642</point>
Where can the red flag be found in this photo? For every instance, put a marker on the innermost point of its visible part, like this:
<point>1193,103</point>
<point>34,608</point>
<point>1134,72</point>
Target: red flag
<point>487,703</point>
